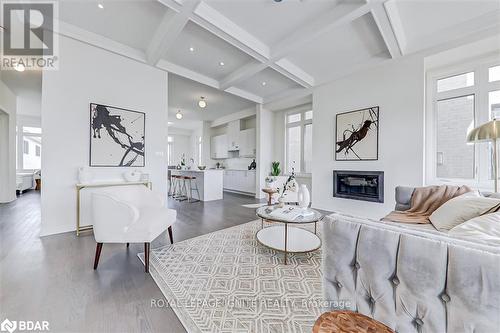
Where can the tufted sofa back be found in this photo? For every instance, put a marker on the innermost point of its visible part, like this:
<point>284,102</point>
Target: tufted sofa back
<point>411,280</point>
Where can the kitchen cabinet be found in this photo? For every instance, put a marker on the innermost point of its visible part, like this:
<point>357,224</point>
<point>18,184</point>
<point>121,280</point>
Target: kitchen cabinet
<point>247,143</point>
<point>233,135</point>
<point>239,181</point>
<point>218,147</point>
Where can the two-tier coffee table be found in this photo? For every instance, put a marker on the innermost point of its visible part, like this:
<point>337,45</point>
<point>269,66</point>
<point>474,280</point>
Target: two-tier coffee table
<point>287,236</point>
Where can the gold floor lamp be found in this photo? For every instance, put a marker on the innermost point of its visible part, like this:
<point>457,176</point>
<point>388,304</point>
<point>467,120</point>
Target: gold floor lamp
<point>488,132</point>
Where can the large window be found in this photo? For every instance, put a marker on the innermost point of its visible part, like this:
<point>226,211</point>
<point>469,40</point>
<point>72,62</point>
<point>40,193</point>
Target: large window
<point>299,141</point>
<point>459,99</point>
<point>30,139</point>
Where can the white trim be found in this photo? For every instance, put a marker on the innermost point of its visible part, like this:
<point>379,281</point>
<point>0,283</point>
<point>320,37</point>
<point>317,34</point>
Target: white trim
<point>480,90</point>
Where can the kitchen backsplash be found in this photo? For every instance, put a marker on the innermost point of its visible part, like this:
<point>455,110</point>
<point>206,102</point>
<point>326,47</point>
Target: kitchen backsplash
<point>240,163</point>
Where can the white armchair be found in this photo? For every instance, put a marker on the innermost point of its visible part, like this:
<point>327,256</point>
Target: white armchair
<point>129,214</point>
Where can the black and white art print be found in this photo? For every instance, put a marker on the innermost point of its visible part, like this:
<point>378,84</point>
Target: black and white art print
<point>116,137</point>
<point>356,135</point>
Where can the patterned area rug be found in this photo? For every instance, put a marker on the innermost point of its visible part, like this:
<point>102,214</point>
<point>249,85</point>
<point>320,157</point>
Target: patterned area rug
<point>227,282</point>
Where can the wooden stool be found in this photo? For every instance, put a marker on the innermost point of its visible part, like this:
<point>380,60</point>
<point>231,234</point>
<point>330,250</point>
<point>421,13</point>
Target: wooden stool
<point>348,322</point>
<point>270,192</point>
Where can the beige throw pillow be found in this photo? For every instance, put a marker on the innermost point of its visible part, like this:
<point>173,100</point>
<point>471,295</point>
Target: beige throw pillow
<point>460,209</point>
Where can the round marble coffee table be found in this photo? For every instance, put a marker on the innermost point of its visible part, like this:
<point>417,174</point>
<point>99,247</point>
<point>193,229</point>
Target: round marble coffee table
<point>287,237</point>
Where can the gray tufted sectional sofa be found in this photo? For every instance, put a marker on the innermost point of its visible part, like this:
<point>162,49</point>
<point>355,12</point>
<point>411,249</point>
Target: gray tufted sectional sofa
<point>411,278</point>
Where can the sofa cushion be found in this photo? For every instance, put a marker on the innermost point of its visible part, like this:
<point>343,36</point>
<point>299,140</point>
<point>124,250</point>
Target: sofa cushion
<point>485,228</point>
<point>460,209</point>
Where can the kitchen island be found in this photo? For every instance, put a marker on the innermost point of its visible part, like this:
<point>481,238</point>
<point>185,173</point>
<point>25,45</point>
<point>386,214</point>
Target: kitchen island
<point>209,181</point>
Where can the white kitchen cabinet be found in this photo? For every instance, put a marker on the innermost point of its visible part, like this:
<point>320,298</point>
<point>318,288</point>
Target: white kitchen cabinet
<point>239,181</point>
<point>233,135</point>
<point>218,147</point>
<point>247,143</point>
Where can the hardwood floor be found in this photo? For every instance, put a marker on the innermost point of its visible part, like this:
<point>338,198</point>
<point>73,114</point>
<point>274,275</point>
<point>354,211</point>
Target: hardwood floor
<point>52,278</point>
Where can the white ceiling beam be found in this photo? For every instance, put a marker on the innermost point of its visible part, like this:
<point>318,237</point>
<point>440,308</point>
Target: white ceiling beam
<point>90,38</point>
<point>331,20</point>
<point>385,28</point>
<point>187,73</point>
<point>245,94</point>
<point>288,98</point>
<point>293,72</point>
<point>396,24</point>
<point>242,74</point>
<point>169,29</point>
<point>221,22</point>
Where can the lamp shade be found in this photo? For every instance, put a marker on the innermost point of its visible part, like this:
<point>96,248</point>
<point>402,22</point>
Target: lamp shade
<point>486,132</point>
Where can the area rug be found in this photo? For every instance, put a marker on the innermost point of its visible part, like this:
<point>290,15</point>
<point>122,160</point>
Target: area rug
<point>255,205</point>
<point>226,281</point>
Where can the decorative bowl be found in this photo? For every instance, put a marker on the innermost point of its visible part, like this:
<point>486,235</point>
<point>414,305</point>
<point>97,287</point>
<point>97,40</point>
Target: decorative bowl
<point>202,167</point>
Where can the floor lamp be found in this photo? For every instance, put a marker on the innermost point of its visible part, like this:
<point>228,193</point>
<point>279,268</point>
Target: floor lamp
<point>488,132</point>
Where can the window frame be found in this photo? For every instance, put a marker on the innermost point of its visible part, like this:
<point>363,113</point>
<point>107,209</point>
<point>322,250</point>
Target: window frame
<point>302,124</point>
<point>480,90</point>
<point>26,121</point>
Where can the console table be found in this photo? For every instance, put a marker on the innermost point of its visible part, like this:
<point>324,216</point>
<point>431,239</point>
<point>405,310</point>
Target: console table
<point>79,187</point>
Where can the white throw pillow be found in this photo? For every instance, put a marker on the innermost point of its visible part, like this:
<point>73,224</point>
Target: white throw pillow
<point>484,228</point>
<point>460,209</point>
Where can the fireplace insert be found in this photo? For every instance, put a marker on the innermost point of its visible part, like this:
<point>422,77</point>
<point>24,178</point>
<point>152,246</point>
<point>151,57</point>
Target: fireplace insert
<point>359,185</point>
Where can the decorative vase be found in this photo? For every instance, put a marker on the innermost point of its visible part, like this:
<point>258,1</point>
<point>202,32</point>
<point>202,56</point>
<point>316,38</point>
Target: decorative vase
<point>84,175</point>
<point>132,175</point>
<point>281,202</point>
<point>304,196</point>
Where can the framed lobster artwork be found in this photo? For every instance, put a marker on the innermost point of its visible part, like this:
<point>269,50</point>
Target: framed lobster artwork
<point>356,135</point>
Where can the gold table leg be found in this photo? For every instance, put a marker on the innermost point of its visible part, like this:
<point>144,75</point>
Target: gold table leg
<point>286,240</point>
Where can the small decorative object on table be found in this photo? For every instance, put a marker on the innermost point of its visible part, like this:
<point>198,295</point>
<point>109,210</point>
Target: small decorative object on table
<point>348,322</point>
<point>304,196</point>
<point>275,168</point>
<point>252,165</point>
<point>290,185</point>
<point>202,167</point>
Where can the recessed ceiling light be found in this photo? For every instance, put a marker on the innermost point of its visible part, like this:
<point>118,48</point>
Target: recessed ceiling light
<point>20,68</point>
<point>264,83</point>
<point>170,123</point>
<point>191,49</point>
<point>221,63</point>
<point>202,103</point>
<point>178,115</point>
<point>100,6</point>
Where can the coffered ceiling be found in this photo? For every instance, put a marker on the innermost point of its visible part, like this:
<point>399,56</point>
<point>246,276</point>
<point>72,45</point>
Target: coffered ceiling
<point>262,51</point>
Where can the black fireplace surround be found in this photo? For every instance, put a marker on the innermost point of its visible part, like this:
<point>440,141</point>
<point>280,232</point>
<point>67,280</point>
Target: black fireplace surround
<point>359,185</point>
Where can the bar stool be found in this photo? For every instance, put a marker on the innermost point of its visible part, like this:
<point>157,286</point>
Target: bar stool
<point>188,182</point>
<point>177,192</point>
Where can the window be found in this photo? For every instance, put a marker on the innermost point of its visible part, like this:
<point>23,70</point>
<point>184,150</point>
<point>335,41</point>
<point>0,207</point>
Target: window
<point>461,98</point>
<point>299,141</point>
<point>26,147</point>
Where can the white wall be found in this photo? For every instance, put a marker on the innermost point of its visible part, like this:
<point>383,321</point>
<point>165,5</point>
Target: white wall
<point>265,128</point>
<point>181,145</point>
<point>87,74</point>
<point>7,144</point>
<point>29,104</point>
<point>398,89</point>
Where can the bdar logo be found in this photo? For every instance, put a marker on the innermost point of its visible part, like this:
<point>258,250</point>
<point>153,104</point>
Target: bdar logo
<point>9,326</point>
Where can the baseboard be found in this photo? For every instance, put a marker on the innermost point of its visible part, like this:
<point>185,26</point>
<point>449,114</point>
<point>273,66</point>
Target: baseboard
<point>240,192</point>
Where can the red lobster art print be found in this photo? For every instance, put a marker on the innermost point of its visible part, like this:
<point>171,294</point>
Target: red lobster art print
<point>351,137</point>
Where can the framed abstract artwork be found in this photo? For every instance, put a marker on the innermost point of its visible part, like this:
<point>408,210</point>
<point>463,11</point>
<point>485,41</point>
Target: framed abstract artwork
<point>117,137</point>
<point>356,135</point>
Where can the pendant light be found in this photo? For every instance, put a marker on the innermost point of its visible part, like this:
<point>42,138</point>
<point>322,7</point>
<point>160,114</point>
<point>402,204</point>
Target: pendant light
<point>178,115</point>
<point>202,103</point>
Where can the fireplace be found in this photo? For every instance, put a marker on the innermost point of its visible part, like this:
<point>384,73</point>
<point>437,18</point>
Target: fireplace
<point>359,185</point>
